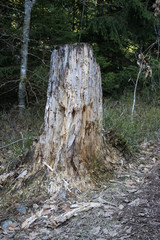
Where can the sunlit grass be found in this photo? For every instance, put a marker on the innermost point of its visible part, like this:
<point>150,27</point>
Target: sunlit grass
<point>145,124</point>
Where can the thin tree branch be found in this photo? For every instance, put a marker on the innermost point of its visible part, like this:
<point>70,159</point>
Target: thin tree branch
<point>135,89</point>
<point>31,54</point>
<point>14,9</point>
<point>8,91</point>
<point>9,82</point>
<point>19,140</point>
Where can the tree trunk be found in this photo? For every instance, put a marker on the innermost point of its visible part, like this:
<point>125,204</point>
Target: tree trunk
<point>24,55</point>
<point>72,145</point>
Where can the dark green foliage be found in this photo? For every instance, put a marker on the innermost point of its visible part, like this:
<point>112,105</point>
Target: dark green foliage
<point>118,31</point>
<point>122,25</point>
<point>54,27</point>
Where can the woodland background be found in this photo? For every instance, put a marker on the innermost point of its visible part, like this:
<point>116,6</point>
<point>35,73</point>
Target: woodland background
<point>123,35</point>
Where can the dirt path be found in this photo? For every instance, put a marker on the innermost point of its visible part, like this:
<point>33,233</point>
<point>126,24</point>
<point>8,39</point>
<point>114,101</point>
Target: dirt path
<point>129,208</point>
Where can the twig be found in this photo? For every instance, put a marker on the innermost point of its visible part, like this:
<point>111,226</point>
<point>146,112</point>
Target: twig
<point>12,143</point>
<point>23,139</point>
<point>8,82</point>
<point>149,48</point>
<point>135,89</point>
<point>31,54</point>
<point>66,184</point>
<point>8,91</point>
<point>33,91</point>
<point>19,140</point>
<point>50,168</point>
<point>14,9</point>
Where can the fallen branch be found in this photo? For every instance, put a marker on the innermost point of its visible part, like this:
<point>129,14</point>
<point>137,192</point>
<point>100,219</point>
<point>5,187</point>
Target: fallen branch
<point>80,207</point>
<point>58,220</point>
<point>26,224</point>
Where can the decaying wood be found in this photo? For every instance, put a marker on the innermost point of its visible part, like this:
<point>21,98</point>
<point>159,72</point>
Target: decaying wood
<point>58,220</point>
<point>26,224</point>
<point>78,208</point>
<point>72,137</point>
<point>5,176</point>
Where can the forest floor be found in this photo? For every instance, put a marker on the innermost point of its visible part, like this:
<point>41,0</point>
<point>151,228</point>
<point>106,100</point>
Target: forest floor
<point>125,207</point>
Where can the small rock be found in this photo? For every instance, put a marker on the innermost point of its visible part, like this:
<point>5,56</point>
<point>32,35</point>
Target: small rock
<point>142,159</point>
<point>58,230</point>
<point>12,235</point>
<point>129,230</point>
<point>95,231</point>
<point>113,233</point>
<point>35,206</point>
<point>23,174</point>
<point>100,239</point>
<point>121,207</point>
<point>141,166</point>
<point>124,237</point>
<point>62,195</point>
<point>135,203</point>
<point>79,234</point>
<point>105,231</point>
<point>132,190</point>
<point>117,226</point>
<point>21,209</point>
<point>6,224</point>
<point>45,238</point>
<point>108,214</point>
<point>141,214</point>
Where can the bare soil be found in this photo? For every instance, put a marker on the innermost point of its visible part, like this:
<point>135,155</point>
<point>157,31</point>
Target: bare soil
<point>129,207</point>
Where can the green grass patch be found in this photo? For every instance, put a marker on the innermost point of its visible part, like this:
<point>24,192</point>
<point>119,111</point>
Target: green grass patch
<point>18,133</point>
<point>144,126</point>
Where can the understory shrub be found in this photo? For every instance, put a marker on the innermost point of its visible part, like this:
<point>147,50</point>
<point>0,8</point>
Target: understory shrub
<point>145,125</point>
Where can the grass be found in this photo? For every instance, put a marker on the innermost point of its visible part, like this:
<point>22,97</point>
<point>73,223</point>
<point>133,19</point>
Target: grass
<point>145,124</point>
<point>117,116</point>
<point>13,128</point>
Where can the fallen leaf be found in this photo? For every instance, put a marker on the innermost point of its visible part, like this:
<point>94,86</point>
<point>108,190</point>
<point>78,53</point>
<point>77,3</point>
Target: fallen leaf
<point>53,197</point>
<point>46,207</point>
<point>46,212</point>
<point>53,207</point>
<point>67,208</point>
<point>13,226</point>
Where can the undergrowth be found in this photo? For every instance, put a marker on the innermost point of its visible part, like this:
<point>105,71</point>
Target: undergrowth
<point>17,134</point>
<point>144,126</point>
<point>117,118</point>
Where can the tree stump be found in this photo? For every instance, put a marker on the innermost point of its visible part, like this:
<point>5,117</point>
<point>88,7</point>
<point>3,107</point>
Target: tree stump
<point>72,144</point>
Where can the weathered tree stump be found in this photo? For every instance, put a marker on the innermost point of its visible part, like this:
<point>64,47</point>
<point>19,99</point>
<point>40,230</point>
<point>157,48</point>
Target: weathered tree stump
<point>71,144</point>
